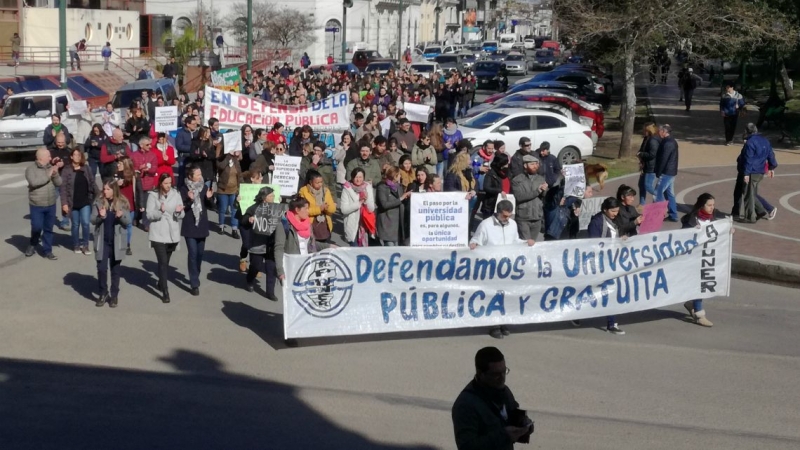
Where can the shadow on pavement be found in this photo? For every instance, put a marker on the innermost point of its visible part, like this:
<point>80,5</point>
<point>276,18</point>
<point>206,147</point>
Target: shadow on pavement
<point>59,406</point>
<point>266,325</point>
<point>85,285</point>
<point>19,242</point>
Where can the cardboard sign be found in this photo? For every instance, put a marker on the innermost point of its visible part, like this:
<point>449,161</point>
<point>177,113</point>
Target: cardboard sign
<point>267,218</point>
<point>653,214</point>
<point>232,141</point>
<point>575,180</point>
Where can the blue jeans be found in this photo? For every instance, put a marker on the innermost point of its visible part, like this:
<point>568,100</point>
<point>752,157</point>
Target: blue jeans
<point>181,170</point>
<point>195,247</point>
<point>80,219</point>
<point>223,202</point>
<point>666,190</point>
<point>64,222</point>
<point>43,218</point>
<point>647,185</point>
<point>697,305</point>
<point>93,165</point>
<point>130,227</point>
<point>440,169</point>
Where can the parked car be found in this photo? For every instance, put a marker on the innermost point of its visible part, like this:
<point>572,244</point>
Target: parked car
<point>602,76</point>
<point>595,91</point>
<point>543,59</point>
<point>516,64</point>
<point>554,45</point>
<point>468,60</point>
<point>518,47</point>
<point>451,49</point>
<point>449,62</point>
<point>569,141</point>
<point>491,75</point>
<point>490,46</point>
<point>426,68</point>
<point>555,86</point>
<point>476,50</point>
<point>362,58</point>
<point>380,68</point>
<point>497,55</point>
<point>529,43</point>
<point>350,68</point>
<point>431,52</point>
<point>507,41</point>
<point>25,117</point>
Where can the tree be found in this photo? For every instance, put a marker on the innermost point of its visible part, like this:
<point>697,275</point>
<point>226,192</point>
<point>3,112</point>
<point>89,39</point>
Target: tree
<point>291,28</point>
<point>209,19</point>
<point>183,47</point>
<point>263,12</point>
<point>622,32</point>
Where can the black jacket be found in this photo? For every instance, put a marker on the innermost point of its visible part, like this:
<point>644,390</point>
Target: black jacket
<point>93,145</point>
<point>142,126</point>
<point>667,157</point>
<point>492,187</point>
<point>188,227</point>
<point>549,168</point>
<point>203,155</point>
<point>647,153</point>
<point>626,220</point>
<point>477,421</point>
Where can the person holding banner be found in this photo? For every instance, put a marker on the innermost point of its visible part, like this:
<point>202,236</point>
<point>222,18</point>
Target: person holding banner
<point>702,214</point>
<point>390,208</point>
<point>628,218</point>
<point>358,209</point>
<point>165,212</point>
<point>230,176</point>
<point>604,225</point>
<point>261,221</point>
<point>296,237</point>
<point>420,182</point>
<point>321,205</point>
<point>195,194</point>
<point>499,229</point>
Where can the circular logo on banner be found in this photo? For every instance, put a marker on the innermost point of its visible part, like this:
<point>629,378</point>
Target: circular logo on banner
<point>323,285</point>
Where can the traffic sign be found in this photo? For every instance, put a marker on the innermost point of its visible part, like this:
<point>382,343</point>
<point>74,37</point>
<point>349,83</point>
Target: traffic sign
<point>332,30</point>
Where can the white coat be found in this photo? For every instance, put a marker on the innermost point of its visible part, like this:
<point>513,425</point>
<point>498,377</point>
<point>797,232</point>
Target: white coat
<point>351,210</point>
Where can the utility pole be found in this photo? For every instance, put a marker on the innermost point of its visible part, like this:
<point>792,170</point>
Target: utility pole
<point>249,40</point>
<point>345,4</point>
<point>62,42</point>
<point>437,10</point>
<point>399,29</point>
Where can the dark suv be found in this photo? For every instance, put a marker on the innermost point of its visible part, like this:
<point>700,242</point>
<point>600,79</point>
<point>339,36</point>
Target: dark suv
<point>361,58</point>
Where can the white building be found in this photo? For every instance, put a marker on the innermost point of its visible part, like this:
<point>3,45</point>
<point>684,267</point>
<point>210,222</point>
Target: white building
<point>372,22</point>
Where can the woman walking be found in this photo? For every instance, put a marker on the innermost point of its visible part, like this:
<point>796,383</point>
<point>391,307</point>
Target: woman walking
<point>423,154</point>
<point>262,239</point>
<point>97,137</point>
<point>390,210</point>
<point>647,162</point>
<point>321,205</point>
<point>166,156</point>
<point>230,177</point>
<point>496,184</point>
<point>194,229</point>
<point>293,236</point>
<point>110,217</point>
<point>126,180</point>
<point>165,211</point>
<point>252,177</point>
<point>77,195</point>
<point>358,209</point>
<point>603,225</point>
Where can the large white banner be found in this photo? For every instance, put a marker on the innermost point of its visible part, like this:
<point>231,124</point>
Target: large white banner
<point>369,290</point>
<point>235,110</point>
<point>439,219</point>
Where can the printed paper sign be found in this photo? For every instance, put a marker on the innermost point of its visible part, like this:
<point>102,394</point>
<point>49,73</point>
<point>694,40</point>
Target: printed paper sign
<point>235,110</point>
<point>287,174</point>
<point>575,180</point>
<point>366,290</point>
<point>232,141</point>
<point>248,192</point>
<point>78,107</point>
<point>416,112</point>
<point>653,214</point>
<point>439,219</point>
<point>166,118</point>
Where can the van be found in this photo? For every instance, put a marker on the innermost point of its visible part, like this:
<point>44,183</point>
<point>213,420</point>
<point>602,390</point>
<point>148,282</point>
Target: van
<point>25,117</point>
<point>126,94</point>
<point>507,41</point>
<point>553,45</point>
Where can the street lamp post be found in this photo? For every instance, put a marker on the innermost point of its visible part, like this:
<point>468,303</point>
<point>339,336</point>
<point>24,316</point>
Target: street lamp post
<point>62,42</point>
<point>437,10</point>
<point>399,29</point>
<point>345,4</point>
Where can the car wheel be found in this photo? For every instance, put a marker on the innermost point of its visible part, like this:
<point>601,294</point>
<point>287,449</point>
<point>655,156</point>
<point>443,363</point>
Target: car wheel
<point>569,155</point>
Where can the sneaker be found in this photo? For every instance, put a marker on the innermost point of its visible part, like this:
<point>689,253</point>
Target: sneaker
<point>772,214</point>
<point>195,291</point>
<point>505,331</point>
<point>729,143</point>
<point>30,251</point>
<point>575,323</point>
<point>496,333</point>
<point>79,250</point>
<point>86,250</point>
<point>51,257</point>
<point>243,265</point>
<point>703,322</point>
<point>615,329</point>
<point>128,251</point>
<point>271,297</point>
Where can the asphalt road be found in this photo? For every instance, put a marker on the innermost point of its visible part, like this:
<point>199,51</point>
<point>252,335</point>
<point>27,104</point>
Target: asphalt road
<point>213,372</point>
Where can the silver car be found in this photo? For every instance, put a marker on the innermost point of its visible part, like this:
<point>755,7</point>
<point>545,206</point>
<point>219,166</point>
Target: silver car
<point>449,62</point>
<point>516,64</point>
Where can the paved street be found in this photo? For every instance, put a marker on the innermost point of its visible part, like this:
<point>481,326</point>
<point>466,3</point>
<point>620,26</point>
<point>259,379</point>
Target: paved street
<point>213,372</point>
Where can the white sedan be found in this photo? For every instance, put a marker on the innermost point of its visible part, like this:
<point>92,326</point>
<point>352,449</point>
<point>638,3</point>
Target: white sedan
<point>426,68</point>
<point>570,141</point>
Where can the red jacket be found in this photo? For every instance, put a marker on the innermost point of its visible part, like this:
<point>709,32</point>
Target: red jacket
<point>277,138</point>
<point>105,157</point>
<point>147,174</point>
<point>165,163</point>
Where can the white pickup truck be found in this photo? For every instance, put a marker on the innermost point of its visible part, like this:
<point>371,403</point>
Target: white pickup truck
<point>27,114</point>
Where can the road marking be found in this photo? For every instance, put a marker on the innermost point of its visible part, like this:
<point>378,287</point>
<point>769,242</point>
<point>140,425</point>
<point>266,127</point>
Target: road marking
<point>753,230</point>
<point>18,184</point>
<point>681,197</point>
<point>784,201</point>
<point>6,176</point>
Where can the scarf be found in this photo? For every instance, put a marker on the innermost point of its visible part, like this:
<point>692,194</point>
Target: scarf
<point>303,227</point>
<point>486,157</point>
<point>319,195</point>
<point>57,128</point>
<point>705,217</point>
<point>392,185</point>
<point>422,146</point>
<point>197,203</point>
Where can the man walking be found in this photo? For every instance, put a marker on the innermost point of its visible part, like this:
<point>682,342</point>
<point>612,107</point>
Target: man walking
<point>756,157</point>
<point>183,144</point>
<point>529,190</point>
<point>485,415</point>
<point>499,229</point>
<point>43,179</point>
<point>689,82</point>
<point>666,170</point>
<point>730,105</point>
<point>105,52</point>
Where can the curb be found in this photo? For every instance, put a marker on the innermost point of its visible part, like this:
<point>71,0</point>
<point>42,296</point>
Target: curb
<point>765,270</point>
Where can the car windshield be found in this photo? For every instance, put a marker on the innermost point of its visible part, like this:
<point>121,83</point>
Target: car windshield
<point>124,99</point>
<point>487,66</point>
<point>543,53</point>
<point>468,57</point>
<point>485,120</point>
<point>372,54</point>
<point>22,107</point>
<point>341,67</point>
<point>515,58</point>
<point>506,40</point>
<point>422,67</point>
<point>433,50</point>
<point>446,59</point>
<point>475,48</point>
<point>380,66</point>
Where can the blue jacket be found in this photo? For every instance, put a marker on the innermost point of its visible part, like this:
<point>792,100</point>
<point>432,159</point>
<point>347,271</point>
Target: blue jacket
<point>756,151</point>
<point>183,142</point>
<point>730,104</point>
<point>667,157</point>
<point>595,229</point>
<point>105,52</point>
<point>452,139</point>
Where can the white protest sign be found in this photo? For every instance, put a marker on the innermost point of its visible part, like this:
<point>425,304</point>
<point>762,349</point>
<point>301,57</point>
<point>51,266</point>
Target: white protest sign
<point>366,290</point>
<point>589,207</point>
<point>234,110</point>
<point>439,219</point>
<point>78,107</point>
<point>416,112</point>
<point>575,180</point>
<point>232,141</point>
<point>509,197</point>
<point>166,118</point>
<point>386,124</point>
<point>287,174</point>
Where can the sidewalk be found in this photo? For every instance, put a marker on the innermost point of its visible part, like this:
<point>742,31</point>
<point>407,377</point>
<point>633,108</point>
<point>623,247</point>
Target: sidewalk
<point>768,249</point>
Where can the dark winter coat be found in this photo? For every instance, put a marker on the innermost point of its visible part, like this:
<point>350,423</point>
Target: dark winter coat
<point>648,152</point>
<point>477,422</point>
<point>188,227</point>
<point>389,211</point>
<point>667,158</point>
